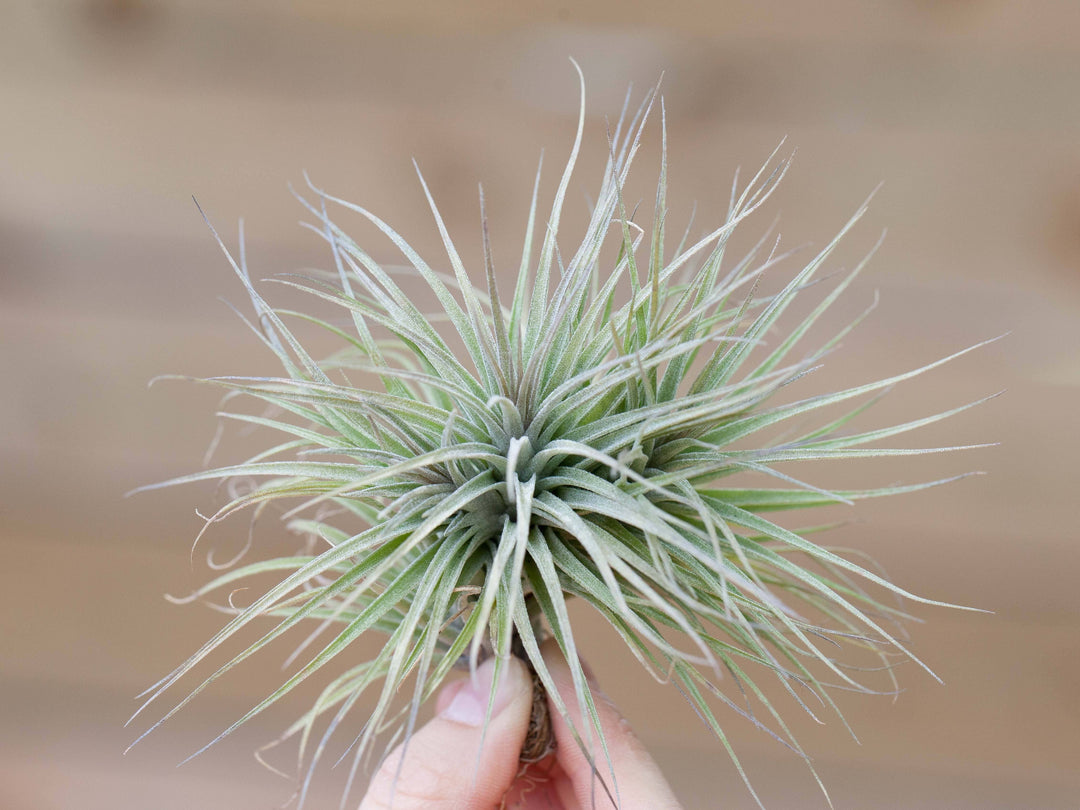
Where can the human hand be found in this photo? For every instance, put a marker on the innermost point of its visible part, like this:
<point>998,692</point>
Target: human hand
<point>440,770</point>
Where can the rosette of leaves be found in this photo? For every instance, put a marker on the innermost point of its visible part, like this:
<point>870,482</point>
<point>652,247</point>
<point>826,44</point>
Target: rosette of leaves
<point>579,443</point>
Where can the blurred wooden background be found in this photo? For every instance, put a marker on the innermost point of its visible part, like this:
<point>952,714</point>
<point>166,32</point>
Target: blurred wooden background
<point>114,112</point>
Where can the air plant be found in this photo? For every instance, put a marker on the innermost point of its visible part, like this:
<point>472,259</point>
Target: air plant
<point>580,444</point>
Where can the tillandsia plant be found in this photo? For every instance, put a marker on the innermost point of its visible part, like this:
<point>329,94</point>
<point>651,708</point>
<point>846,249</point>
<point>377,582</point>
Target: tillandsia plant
<point>579,444</point>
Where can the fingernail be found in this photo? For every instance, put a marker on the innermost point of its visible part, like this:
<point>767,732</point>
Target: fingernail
<point>469,705</point>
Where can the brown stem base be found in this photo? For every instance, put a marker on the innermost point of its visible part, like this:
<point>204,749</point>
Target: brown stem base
<point>540,738</point>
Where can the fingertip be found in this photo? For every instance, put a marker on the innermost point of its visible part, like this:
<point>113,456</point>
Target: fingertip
<point>446,694</point>
<point>514,672</point>
<point>469,703</point>
<point>462,757</point>
<point>626,769</point>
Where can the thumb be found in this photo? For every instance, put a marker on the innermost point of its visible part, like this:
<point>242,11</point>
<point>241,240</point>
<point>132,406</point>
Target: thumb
<point>444,767</point>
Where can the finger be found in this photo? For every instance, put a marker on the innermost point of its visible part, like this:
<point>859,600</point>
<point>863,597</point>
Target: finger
<point>638,783</point>
<point>444,767</point>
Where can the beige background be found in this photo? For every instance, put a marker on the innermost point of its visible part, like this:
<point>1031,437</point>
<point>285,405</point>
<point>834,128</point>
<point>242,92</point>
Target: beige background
<point>113,113</point>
